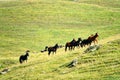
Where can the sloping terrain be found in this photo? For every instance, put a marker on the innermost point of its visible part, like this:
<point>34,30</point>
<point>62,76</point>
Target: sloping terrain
<point>103,64</point>
<point>34,24</point>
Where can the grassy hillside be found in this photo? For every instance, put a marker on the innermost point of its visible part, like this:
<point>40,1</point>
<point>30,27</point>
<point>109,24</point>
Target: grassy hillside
<point>103,64</point>
<point>34,24</point>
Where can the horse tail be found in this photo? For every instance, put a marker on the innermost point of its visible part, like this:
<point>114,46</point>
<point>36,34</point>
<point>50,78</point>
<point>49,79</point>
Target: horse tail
<point>20,60</point>
<point>66,47</point>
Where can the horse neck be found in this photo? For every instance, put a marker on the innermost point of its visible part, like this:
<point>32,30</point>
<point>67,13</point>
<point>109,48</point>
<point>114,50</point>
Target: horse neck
<point>95,36</point>
<point>79,40</point>
<point>27,54</point>
<point>73,41</point>
<point>56,46</point>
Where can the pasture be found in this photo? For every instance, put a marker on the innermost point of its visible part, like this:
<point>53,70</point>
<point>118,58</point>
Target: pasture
<point>34,24</point>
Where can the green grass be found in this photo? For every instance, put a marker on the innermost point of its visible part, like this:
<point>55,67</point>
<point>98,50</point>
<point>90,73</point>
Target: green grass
<point>34,24</point>
<point>101,65</point>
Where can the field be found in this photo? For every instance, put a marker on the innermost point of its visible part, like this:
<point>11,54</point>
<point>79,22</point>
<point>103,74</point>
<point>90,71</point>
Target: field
<point>34,24</point>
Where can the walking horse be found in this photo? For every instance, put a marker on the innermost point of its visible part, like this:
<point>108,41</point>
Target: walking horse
<point>90,39</point>
<point>71,45</point>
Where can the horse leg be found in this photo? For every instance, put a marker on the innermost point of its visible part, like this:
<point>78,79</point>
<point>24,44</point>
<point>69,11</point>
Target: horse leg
<point>81,45</point>
<point>96,41</point>
<point>49,52</point>
<point>78,45</point>
<point>55,51</point>
<point>65,47</point>
<point>70,48</point>
<point>90,43</point>
<point>73,47</point>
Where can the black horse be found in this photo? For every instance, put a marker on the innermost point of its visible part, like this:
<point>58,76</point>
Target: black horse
<point>52,49</point>
<point>24,57</point>
<point>71,45</point>
<point>85,42</point>
<point>77,43</point>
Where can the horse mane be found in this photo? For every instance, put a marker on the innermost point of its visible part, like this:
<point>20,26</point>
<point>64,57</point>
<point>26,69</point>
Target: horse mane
<point>56,46</point>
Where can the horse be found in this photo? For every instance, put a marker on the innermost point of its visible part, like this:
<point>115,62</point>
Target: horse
<point>89,40</point>
<point>77,43</point>
<point>22,58</point>
<point>85,42</point>
<point>93,38</point>
<point>71,45</point>
<point>52,49</point>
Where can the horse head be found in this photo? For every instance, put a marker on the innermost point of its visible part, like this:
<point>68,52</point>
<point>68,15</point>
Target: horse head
<point>27,53</point>
<point>96,34</point>
<point>46,48</point>
<point>79,39</point>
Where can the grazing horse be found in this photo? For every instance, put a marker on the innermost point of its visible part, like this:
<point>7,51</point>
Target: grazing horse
<point>52,49</point>
<point>24,57</point>
<point>71,45</point>
<point>90,39</point>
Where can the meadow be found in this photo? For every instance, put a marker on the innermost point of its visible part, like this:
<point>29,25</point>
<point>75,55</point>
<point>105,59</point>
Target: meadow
<point>34,24</point>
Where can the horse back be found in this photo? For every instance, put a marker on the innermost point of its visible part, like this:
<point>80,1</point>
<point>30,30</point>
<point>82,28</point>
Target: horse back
<point>68,44</point>
<point>51,49</point>
<point>23,57</point>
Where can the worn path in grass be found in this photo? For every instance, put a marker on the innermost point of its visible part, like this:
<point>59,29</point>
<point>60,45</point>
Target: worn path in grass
<point>111,38</point>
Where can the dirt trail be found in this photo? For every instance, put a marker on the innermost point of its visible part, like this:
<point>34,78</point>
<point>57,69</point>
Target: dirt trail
<point>111,38</point>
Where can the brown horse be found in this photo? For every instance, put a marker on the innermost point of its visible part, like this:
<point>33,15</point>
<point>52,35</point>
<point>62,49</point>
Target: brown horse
<point>89,40</point>
<point>93,38</point>
<point>71,45</point>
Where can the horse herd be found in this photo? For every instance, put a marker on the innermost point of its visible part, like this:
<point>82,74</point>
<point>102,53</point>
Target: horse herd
<point>69,45</point>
